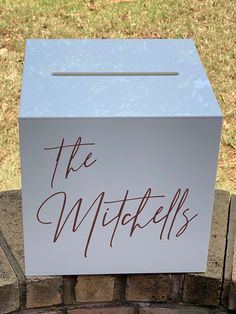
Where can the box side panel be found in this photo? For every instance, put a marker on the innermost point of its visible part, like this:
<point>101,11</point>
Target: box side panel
<point>117,195</point>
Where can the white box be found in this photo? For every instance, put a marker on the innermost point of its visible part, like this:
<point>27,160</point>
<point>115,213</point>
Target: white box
<point>119,142</point>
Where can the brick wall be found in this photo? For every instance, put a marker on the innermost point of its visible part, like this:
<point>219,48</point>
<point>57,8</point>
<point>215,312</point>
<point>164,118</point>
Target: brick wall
<point>210,292</point>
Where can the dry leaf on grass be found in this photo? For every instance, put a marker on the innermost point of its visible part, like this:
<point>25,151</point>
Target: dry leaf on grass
<point>92,7</point>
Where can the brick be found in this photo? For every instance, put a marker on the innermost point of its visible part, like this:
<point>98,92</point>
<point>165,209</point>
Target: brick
<point>232,294</point>
<point>205,288</point>
<point>151,287</point>
<point>51,312</point>
<point>94,288</point>
<point>40,291</point>
<point>11,223</point>
<point>230,251</point>
<point>105,310</point>
<point>9,288</point>
<point>69,283</point>
<point>151,310</point>
<point>119,287</point>
<point>41,312</point>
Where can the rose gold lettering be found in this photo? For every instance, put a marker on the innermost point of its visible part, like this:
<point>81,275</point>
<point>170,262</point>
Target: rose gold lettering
<point>117,218</point>
<point>184,227</point>
<point>86,163</point>
<point>182,201</point>
<point>172,205</point>
<point>57,161</point>
<point>72,156</point>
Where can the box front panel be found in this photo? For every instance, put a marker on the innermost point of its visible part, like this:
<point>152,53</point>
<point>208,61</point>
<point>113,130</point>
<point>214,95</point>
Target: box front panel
<point>117,195</point>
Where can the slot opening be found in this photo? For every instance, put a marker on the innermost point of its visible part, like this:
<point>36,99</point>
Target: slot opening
<point>115,73</point>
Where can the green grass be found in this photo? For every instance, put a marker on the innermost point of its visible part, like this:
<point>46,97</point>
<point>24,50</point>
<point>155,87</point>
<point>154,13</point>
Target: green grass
<point>210,23</point>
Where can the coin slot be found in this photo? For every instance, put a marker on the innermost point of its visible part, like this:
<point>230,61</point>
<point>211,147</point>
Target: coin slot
<point>115,73</point>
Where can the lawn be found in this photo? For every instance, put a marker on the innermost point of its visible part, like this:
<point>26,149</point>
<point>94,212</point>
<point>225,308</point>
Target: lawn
<point>211,24</point>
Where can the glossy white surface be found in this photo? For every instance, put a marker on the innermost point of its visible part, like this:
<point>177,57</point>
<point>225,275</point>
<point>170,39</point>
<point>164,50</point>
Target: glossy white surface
<point>157,133</point>
<point>131,155</point>
<point>45,95</point>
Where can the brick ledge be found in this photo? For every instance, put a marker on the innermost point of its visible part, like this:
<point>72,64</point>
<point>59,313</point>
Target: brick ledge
<point>210,292</point>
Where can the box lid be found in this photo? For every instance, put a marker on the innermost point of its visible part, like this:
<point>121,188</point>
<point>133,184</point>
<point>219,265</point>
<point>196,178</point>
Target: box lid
<point>115,78</point>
